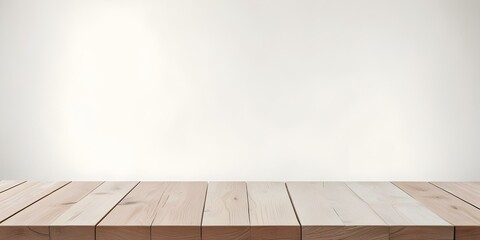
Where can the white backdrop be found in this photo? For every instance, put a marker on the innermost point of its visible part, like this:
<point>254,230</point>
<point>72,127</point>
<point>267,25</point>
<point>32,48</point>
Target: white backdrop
<point>240,89</point>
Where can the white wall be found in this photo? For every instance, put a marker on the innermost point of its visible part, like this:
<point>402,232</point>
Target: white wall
<point>240,89</point>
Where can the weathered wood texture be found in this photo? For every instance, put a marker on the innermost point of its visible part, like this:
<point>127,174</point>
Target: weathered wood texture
<point>467,191</point>
<point>239,211</point>
<point>33,223</point>
<point>408,218</point>
<point>8,184</point>
<point>331,211</point>
<point>271,213</point>
<point>79,221</point>
<point>226,212</point>
<point>464,216</point>
<point>22,196</point>
<point>132,218</point>
<point>179,215</point>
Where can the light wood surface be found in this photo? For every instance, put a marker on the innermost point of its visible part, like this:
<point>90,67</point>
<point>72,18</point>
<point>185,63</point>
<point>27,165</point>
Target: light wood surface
<point>33,222</point>
<point>332,211</point>
<point>271,213</point>
<point>132,217</point>
<point>226,212</point>
<point>464,216</point>
<point>79,221</point>
<point>239,211</point>
<point>20,197</point>
<point>468,191</point>
<point>7,184</point>
<point>408,218</point>
<point>179,212</point>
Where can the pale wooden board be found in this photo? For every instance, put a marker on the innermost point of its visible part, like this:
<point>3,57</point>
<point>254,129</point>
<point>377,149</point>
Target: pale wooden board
<point>467,191</point>
<point>331,211</point>
<point>173,210</point>
<point>407,217</point>
<point>464,216</point>
<point>271,213</point>
<point>132,217</point>
<point>79,221</point>
<point>33,222</point>
<point>226,212</point>
<point>20,197</point>
<point>179,212</point>
<point>8,184</point>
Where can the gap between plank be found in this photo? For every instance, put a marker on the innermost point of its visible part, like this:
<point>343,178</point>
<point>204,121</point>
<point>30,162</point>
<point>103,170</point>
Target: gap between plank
<point>96,224</point>
<point>50,227</point>
<point>248,210</point>
<point>13,186</point>
<point>34,201</point>
<point>203,211</point>
<point>294,210</point>
<point>454,195</point>
<point>371,208</point>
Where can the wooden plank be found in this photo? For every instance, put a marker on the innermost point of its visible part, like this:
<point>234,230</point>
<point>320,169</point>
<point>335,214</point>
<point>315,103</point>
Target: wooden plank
<point>331,211</point>
<point>79,221</point>
<point>20,197</point>
<point>132,217</point>
<point>462,215</point>
<point>179,212</point>
<point>33,222</point>
<point>467,191</point>
<point>408,218</point>
<point>226,212</point>
<point>271,213</point>
<point>8,184</point>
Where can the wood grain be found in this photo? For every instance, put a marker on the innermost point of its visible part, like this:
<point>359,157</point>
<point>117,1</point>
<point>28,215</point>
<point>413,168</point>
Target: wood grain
<point>239,211</point>
<point>132,217</point>
<point>464,216</point>
<point>408,218</point>
<point>33,222</point>
<point>79,221</point>
<point>7,184</point>
<point>20,197</point>
<point>271,213</point>
<point>179,212</point>
<point>226,212</point>
<point>467,191</point>
<point>331,211</point>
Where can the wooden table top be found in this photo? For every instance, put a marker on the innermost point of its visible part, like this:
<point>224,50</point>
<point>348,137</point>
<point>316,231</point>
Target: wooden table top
<point>65,210</point>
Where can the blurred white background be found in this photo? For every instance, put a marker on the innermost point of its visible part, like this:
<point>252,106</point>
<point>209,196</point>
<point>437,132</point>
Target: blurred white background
<point>240,90</point>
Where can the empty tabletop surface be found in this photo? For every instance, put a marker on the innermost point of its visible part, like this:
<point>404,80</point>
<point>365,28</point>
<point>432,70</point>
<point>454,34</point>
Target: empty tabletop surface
<point>37,210</point>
